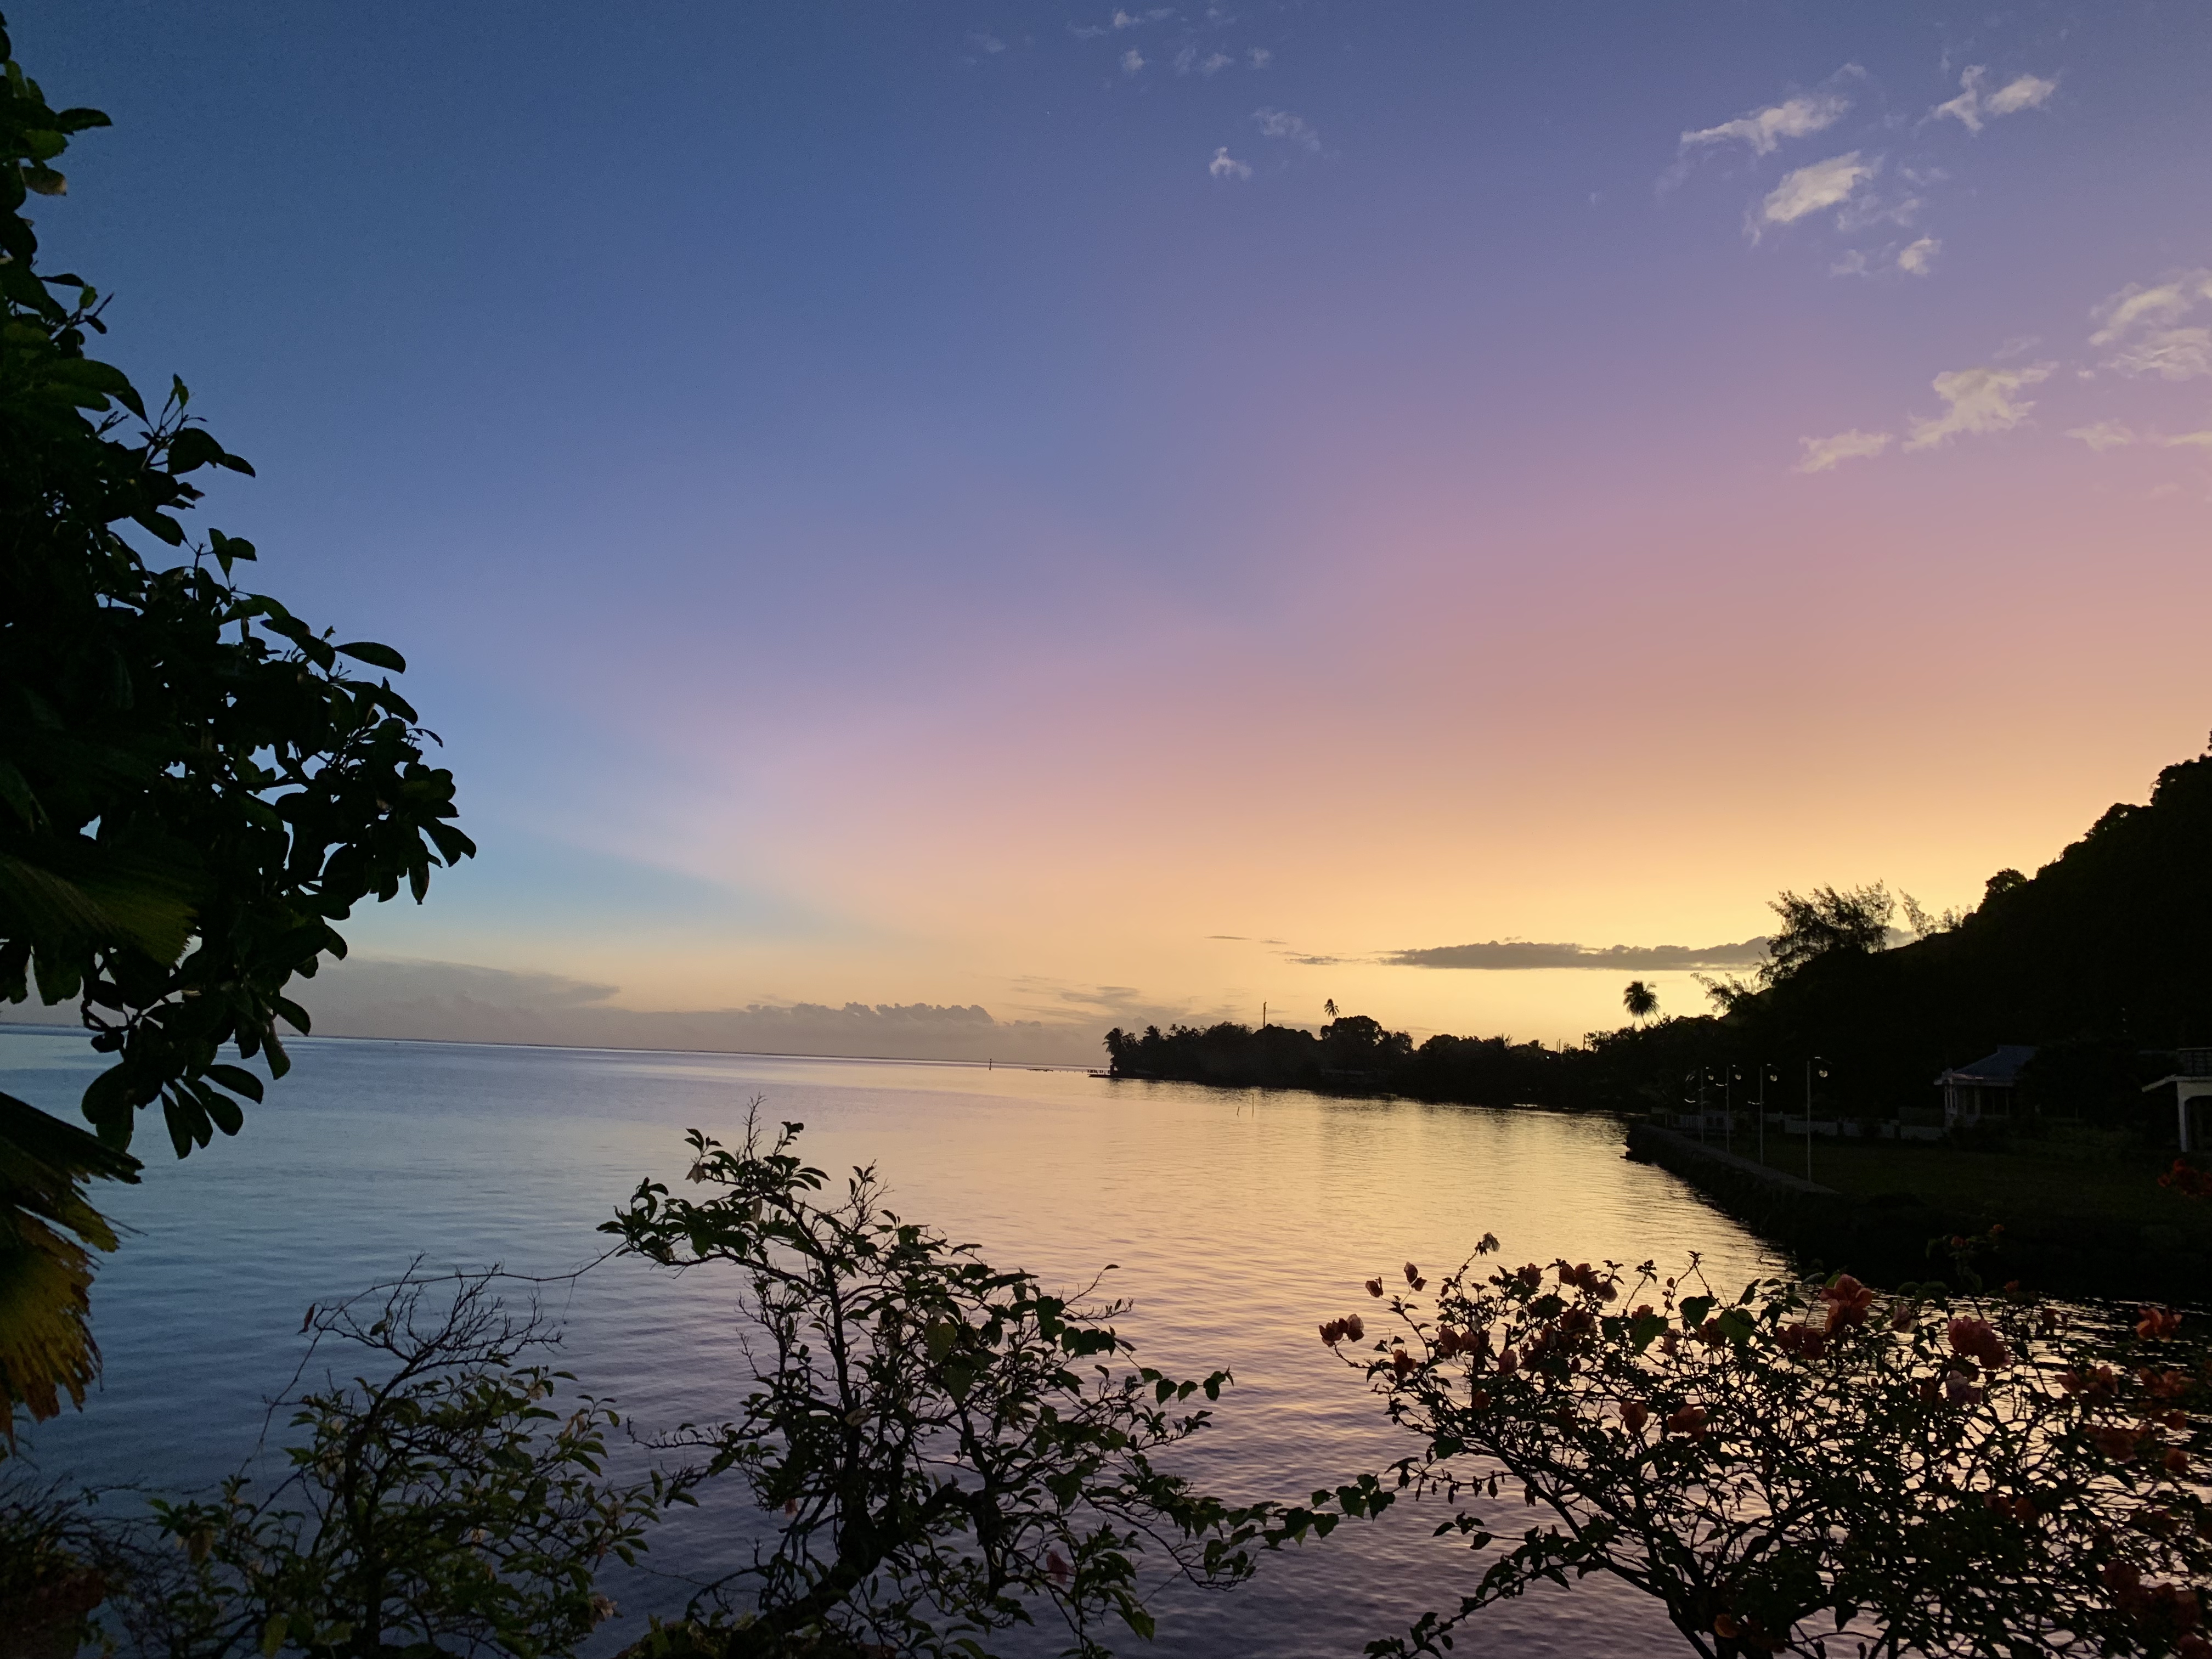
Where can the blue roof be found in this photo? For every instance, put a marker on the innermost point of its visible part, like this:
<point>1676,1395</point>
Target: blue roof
<point>2000,1067</point>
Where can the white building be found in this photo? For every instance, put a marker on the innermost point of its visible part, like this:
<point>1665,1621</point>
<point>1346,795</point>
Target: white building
<point>2191,1079</point>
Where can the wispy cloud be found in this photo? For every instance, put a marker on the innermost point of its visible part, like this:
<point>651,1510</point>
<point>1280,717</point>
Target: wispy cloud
<point>1977,400</point>
<point>2142,328</point>
<point>1291,129</point>
<point>1187,61</point>
<point>365,996</point>
<point>1918,259</point>
<point>1823,184</point>
<point>1260,56</point>
<point>989,43</point>
<point>1225,166</point>
<point>2104,435</point>
<point>1506,954</point>
<point>1764,130</point>
<point>1132,61</point>
<point>1825,455</point>
<point>2112,435</point>
<point>1973,108</point>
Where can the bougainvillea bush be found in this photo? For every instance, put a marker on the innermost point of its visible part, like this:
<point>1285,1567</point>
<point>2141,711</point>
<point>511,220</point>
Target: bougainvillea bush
<point>1808,1466</point>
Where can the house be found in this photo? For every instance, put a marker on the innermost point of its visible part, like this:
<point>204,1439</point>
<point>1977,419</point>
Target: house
<point>2191,1078</point>
<point>1985,1089</point>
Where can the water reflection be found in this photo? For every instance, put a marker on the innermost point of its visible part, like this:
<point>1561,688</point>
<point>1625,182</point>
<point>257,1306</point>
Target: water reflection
<point>1237,1221</point>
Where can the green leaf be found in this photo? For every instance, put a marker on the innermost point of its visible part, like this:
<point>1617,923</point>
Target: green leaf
<point>237,1079</point>
<point>107,1099</point>
<point>376,655</point>
<point>46,1348</point>
<point>193,448</point>
<point>223,1110</point>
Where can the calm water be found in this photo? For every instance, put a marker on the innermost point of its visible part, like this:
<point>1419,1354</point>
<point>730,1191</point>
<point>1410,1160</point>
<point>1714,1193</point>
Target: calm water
<point>1239,1221</point>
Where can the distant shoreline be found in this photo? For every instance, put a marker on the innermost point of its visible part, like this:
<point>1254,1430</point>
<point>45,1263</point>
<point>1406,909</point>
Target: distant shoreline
<point>46,1029</point>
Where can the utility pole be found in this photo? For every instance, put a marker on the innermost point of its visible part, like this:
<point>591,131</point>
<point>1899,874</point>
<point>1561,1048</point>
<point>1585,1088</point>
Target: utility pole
<point>1728,1109</point>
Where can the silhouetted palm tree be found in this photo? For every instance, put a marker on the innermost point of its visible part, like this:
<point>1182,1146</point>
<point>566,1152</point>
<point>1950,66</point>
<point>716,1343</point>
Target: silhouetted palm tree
<point>1640,1000</point>
<point>1329,1007</point>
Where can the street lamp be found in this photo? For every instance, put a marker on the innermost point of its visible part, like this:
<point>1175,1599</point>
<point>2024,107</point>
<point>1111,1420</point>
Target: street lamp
<point>1766,1074</point>
<point>1816,1064</point>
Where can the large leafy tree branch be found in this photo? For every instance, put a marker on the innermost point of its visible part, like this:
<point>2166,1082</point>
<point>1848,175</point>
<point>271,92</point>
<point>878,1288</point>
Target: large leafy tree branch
<point>195,788</point>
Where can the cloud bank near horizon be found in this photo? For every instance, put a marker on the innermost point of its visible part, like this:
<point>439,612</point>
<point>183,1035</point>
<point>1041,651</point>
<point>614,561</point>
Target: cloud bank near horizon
<point>1521,953</point>
<point>457,1002</point>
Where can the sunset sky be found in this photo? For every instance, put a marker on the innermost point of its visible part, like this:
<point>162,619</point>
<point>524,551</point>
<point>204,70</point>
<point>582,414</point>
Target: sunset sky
<point>1113,515</point>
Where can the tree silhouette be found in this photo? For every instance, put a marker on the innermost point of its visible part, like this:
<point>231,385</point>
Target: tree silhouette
<point>1329,1007</point>
<point>1640,1000</point>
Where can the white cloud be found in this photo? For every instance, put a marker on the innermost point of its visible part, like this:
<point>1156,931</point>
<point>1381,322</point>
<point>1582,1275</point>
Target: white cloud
<point>2104,435</point>
<point>1823,184</point>
<point>1187,61</point>
<point>1972,108</point>
<point>2025,92</point>
<point>1822,454</point>
<point>1225,166</point>
<point>1260,56</point>
<point>2172,354</point>
<point>1132,61</point>
<point>1766,128</point>
<point>1978,400</point>
<point>988,43</point>
<point>1281,124</point>
<point>1866,211</point>
<point>1919,258</point>
<point>2135,304</point>
<point>2111,435</point>
<point>2144,330</point>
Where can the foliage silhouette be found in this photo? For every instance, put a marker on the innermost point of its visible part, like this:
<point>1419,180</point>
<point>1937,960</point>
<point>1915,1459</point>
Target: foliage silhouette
<point>194,789</point>
<point>1805,1464</point>
<point>954,1450</point>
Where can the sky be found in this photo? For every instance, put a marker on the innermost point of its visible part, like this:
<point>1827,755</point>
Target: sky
<point>941,527</point>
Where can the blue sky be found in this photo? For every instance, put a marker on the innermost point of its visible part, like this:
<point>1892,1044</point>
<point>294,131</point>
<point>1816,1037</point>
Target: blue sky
<point>963,504</point>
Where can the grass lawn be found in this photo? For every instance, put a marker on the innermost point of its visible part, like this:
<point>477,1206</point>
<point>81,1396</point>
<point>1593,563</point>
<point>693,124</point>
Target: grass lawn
<point>2067,1172</point>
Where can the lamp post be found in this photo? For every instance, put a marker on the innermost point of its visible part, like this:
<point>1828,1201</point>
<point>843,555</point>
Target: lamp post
<point>1821,1065</point>
<point>1729,1079</point>
<point>1766,1074</point>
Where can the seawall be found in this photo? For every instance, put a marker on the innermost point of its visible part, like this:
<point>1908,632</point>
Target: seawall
<point>1885,1239</point>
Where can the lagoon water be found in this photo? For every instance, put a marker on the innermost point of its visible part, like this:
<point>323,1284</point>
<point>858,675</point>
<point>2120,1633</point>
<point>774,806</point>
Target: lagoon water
<point>1239,1221</point>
